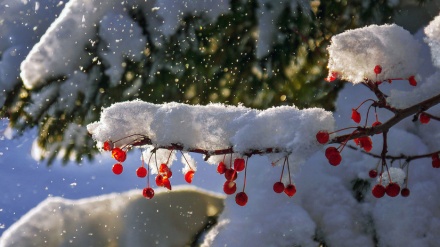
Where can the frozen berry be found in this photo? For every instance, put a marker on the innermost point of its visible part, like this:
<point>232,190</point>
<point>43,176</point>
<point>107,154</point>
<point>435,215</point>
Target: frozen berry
<point>117,168</point>
<point>424,118</point>
<point>372,173</point>
<point>119,154</point>
<point>107,146</point>
<point>141,172</point>
<point>405,192</point>
<point>322,137</point>
<point>412,81</point>
<point>159,180</point>
<point>148,192</point>
<point>290,190</point>
<point>189,176</point>
<point>239,164</point>
<point>241,198</point>
<point>230,174</point>
<point>378,191</point>
<point>356,116</point>
<point>221,168</point>
<point>435,156</point>
<point>392,189</point>
<point>278,187</point>
<point>229,187</point>
<point>377,69</point>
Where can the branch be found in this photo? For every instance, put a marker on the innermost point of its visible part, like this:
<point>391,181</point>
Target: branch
<point>400,114</point>
<point>145,140</point>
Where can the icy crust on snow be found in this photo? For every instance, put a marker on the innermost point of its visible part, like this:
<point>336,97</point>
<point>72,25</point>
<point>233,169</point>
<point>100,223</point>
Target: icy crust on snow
<point>354,54</point>
<point>119,219</point>
<point>404,99</point>
<point>432,32</point>
<point>215,126</point>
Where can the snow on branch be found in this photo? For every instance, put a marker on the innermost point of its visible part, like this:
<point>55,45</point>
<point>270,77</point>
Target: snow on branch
<point>354,53</point>
<point>212,127</point>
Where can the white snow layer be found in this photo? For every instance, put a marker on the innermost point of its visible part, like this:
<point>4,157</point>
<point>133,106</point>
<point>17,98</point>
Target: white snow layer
<point>432,32</point>
<point>119,219</point>
<point>354,54</point>
<point>215,126</point>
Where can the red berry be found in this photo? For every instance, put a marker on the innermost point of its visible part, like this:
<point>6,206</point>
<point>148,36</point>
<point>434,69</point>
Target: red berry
<point>366,143</point>
<point>412,81</point>
<point>119,155</point>
<point>405,192</point>
<point>372,173</point>
<point>166,170</point>
<point>159,180</point>
<point>435,156</point>
<point>378,191</point>
<point>424,118</point>
<point>335,159</point>
<point>229,187</point>
<point>356,116</point>
<point>241,198</point>
<point>332,76</point>
<point>436,163</point>
<point>322,136</point>
<point>356,141</point>
<point>375,124</point>
<point>239,164</point>
<point>141,172</point>
<point>230,174</point>
<point>108,146</point>
<point>148,192</point>
<point>278,187</point>
<point>377,69</point>
<point>392,189</point>
<point>290,190</point>
<point>166,183</point>
<point>221,168</point>
<point>117,168</point>
<point>189,176</point>
<point>329,151</point>
<point>163,168</point>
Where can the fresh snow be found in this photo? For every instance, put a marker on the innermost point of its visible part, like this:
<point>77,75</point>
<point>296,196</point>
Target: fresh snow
<point>354,54</point>
<point>215,126</point>
<point>323,208</point>
<point>119,219</point>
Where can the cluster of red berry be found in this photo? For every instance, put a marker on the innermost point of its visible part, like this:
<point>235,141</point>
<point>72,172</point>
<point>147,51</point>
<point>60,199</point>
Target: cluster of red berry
<point>231,174</point>
<point>162,178</point>
<point>333,154</point>
<point>392,189</point>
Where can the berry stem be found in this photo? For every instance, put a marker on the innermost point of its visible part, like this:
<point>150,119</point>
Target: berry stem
<point>186,161</point>
<point>288,169</point>
<point>282,171</point>
<point>245,172</point>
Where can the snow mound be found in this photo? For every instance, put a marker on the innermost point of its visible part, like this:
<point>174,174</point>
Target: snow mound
<point>354,54</point>
<point>125,219</point>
